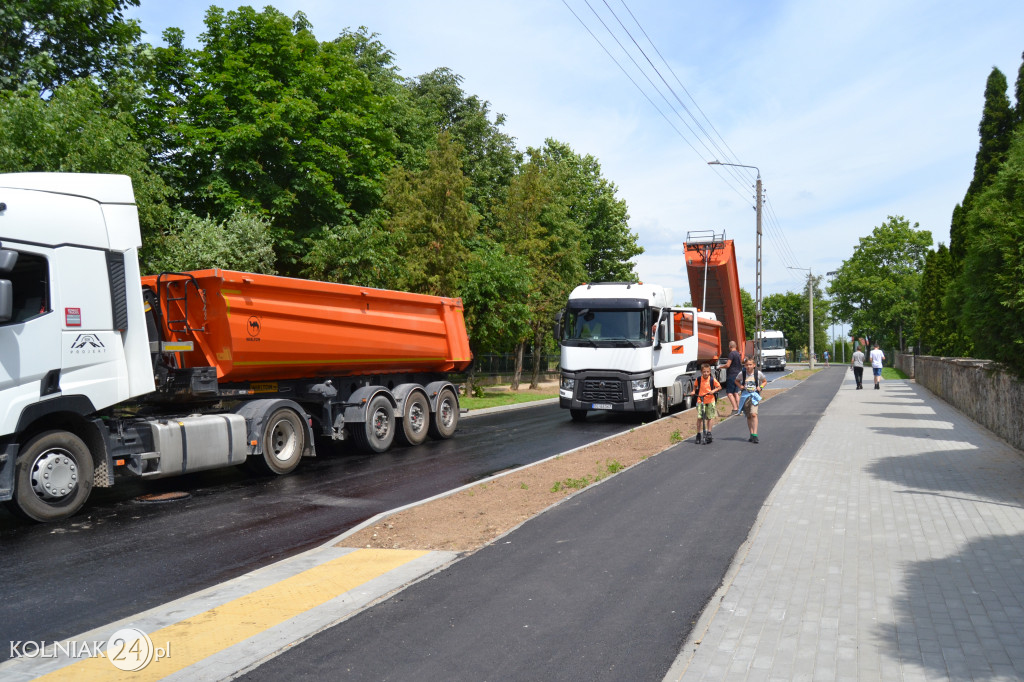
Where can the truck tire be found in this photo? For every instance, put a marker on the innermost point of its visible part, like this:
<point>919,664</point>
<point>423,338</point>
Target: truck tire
<point>446,416</point>
<point>415,419</point>
<point>284,441</point>
<point>578,415</point>
<point>52,477</point>
<point>378,431</point>
<point>659,405</point>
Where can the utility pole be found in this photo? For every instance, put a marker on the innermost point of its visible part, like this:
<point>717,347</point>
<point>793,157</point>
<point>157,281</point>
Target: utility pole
<point>758,325</point>
<point>810,306</point>
<point>810,316</point>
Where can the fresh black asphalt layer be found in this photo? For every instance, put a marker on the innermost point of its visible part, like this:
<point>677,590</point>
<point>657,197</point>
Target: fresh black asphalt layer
<point>605,586</point>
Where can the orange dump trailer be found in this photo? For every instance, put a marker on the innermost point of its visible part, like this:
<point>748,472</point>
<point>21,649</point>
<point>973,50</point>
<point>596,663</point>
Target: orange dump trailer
<point>259,328</point>
<point>709,335</point>
<point>354,362</point>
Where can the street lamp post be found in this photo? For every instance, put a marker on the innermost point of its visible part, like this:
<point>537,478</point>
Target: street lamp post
<point>757,296</point>
<point>810,315</point>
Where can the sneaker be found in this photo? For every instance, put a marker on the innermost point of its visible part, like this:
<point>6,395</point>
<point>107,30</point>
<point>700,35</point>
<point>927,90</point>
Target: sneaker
<point>707,438</point>
<point>750,440</point>
<point>877,387</point>
<point>753,439</point>
<point>698,439</point>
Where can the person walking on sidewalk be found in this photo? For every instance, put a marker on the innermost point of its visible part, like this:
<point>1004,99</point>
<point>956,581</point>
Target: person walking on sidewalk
<point>826,359</point>
<point>877,358</point>
<point>857,363</point>
<point>706,389</point>
<point>751,381</point>
<point>733,367</point>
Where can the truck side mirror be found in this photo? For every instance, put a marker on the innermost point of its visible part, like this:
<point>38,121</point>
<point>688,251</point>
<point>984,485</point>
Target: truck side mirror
<point>6,300</point>
<point>8,259</point>
<point>557,329</point>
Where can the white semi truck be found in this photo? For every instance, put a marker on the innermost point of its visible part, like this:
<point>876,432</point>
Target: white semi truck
<point>773,350</point>
<point>108,376</point>
<point>626,348</point>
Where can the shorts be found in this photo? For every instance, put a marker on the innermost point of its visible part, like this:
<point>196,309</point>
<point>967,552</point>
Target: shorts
<point>749,408</point>
<point>730,384</point>
<point>877,371</point>
<point>706,411</point>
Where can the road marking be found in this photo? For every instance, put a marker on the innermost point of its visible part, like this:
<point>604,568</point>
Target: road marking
<point>196,638</point>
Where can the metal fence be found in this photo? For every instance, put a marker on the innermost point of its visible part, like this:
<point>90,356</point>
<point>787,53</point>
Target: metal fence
<point>494,364</point>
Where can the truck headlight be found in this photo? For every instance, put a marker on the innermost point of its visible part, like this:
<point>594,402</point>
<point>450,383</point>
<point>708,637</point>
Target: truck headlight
<point>567,383</point>
<point>642,384</point>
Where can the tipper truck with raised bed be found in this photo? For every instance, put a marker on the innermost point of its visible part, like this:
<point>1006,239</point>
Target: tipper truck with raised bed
<point>108,376</point>
<point>626,348</point>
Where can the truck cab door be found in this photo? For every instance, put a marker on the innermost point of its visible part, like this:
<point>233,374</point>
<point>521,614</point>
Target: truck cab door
<point>30,355</point>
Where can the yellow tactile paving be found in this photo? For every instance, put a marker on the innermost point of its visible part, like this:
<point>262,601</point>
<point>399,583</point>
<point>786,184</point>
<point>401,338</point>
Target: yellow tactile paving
<point>205,634</point>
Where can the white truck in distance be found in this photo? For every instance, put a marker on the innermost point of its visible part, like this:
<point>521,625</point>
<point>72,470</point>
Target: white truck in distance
<point>626,348</point>
<point>773,350</point>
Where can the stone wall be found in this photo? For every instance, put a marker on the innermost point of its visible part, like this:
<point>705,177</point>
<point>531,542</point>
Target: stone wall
<point>905,363</point>
<point>986,394</point>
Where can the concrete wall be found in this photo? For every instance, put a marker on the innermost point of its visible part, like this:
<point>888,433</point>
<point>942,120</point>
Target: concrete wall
<point>989,396</point>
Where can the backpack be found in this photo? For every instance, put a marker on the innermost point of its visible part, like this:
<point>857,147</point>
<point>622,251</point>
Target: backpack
<point>711,385</point>
<point>757,378</point>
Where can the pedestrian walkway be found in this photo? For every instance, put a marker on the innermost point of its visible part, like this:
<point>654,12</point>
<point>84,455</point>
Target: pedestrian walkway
<point>891,549</point>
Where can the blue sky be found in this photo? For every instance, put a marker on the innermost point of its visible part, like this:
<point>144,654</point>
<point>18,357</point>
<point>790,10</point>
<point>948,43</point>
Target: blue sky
<point>852,111</point>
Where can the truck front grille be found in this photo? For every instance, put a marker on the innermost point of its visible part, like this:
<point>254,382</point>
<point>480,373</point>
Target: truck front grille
<point>602,391</point>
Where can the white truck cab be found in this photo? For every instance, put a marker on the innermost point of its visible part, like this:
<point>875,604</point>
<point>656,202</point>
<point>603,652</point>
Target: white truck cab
<point>773,350</point>
<point>626,348</point>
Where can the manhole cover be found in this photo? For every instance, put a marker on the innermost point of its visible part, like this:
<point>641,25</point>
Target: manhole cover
<point>162,497</point>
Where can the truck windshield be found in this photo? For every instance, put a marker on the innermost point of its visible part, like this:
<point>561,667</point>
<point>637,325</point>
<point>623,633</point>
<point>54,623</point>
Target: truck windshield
<point>607,324</point>
<point>773,344</point>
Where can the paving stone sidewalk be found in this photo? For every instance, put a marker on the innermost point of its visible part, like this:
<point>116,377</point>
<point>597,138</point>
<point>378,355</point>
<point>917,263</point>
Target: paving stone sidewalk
<point>892,549</point>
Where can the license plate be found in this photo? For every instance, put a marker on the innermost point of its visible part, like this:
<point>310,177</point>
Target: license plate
<point>601,406</point>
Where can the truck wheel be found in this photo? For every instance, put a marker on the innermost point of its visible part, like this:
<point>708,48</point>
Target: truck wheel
<point>52,477</point>
<point>284,441</point>
<point>415,419</point>
<point>578,415</point>
<point>659,405</point>
<point>378,431</point>
<point>446,418</point>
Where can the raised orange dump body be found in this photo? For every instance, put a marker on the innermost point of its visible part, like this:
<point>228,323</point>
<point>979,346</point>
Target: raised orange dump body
<point>723,288</point>
<point>264,328</point>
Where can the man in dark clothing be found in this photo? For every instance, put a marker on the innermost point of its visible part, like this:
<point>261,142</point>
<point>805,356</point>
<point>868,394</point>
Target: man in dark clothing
<point>732,369</point>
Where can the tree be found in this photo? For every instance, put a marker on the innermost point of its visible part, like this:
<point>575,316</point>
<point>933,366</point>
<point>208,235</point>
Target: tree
<point>994,266</point>
<point>609,245</point>
<point>749,312</point>
<point>489,156</point>
<point>533,223</point>
<point>788,313</point>
<point>242,242</point>
<point>46,43</point>
<point>939,333</point>
<point>431,221</point>
<point>877,289</point>
<point>72,132</point>
<point>276,121</point>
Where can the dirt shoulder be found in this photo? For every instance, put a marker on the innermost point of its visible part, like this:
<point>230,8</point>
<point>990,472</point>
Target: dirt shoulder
<point>471,518</point>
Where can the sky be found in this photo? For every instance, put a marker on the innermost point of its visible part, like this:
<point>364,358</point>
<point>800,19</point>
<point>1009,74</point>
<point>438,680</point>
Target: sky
<point>851,112</point>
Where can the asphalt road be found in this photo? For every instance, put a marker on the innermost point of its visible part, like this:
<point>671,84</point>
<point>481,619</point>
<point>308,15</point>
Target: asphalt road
<point>605,586</point>
<point>119,556</point>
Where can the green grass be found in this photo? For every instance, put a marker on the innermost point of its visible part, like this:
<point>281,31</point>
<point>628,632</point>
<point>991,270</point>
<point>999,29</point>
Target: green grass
<point>497,398</point>
<point>892,373</point>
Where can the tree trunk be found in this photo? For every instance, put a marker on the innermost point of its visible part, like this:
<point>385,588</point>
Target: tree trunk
<point>538,349</point>
<point>470,377</point>
<point>517,374</point>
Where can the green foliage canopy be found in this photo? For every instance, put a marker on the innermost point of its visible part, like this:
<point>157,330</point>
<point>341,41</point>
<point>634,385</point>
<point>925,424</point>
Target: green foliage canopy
<point>877,288</point>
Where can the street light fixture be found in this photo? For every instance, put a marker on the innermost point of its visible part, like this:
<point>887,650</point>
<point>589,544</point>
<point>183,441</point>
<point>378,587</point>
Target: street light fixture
<point>810,316</point>
<point>757,296</point>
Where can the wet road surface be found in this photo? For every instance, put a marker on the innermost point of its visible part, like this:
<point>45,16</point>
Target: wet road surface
<point>120,556</point>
